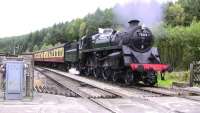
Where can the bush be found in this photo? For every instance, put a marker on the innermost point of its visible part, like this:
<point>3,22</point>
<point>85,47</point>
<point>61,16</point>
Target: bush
<point>180,45</point>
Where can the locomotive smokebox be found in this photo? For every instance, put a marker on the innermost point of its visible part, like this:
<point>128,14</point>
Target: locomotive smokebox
<point>133,23</point>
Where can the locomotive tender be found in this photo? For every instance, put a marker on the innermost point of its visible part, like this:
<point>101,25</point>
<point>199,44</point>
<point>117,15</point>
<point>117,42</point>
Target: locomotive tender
<point>110,55</point>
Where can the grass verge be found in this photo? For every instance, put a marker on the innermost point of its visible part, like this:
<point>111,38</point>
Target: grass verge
<point>182,77</point>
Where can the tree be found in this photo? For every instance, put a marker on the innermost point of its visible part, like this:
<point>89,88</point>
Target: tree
<point>46,46</point>
<point>36,48</point>
<point>175,15</point>
<point>192,10</point>
<point>180,46</point>
<point>82,29</point>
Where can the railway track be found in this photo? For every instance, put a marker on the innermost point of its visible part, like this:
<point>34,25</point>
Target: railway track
<point>43,84</point>
<point>80,88</point>
<point>85,88</point>
<point>163,91</point>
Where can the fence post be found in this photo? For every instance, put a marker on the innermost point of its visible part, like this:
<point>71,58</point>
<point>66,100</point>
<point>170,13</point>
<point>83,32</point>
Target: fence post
<point>191,74</point>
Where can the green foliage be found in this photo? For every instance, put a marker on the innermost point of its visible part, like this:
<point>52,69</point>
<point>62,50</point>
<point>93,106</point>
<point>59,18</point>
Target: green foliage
<point>175,15</point>
<point>46,46</point>
<point>35,48</point>
<point>100,19</point>
<point>181,77</point>
<point>180,46</point>
<point>165,83</point>
<point>192,10</point>
<point>183,12</point>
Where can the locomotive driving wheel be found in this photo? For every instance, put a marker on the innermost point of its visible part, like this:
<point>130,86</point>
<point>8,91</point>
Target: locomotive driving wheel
<point>115,77</point>
<point>128,79</point>
<point>87,72</point>
<point>97,72</point>
<point>89,69</point>
<point>107,73</point>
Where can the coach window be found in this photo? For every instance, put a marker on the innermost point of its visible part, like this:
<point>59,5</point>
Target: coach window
<point>59,52</point>
<point>55,53</point>
<point>62,52</point>
<point>47,54</point>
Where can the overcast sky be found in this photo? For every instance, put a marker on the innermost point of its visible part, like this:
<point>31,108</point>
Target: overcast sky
<point>19,17</point>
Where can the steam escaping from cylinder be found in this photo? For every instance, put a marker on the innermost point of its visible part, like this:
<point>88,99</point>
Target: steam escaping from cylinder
<point>150,12</point>
<point>74,71</point>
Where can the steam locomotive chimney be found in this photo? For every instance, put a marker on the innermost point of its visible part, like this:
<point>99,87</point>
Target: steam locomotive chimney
<point>133,23</point>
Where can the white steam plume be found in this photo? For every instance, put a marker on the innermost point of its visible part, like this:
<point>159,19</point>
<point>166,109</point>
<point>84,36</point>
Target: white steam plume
<point>149,12</point>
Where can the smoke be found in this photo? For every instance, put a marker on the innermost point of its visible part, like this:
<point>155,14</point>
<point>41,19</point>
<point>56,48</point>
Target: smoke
<point>150,13</point>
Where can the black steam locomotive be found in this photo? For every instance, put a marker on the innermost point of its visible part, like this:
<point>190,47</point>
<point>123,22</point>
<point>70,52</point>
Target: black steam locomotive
<point>111,55</point>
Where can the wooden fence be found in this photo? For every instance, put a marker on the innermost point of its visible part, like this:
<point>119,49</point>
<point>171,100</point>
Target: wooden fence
<point>195,73</point>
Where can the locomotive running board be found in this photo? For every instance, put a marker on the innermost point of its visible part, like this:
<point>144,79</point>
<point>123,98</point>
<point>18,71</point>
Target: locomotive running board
<point>101,49</point>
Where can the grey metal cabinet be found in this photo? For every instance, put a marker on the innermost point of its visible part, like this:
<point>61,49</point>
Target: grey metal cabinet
<point>14,79</point>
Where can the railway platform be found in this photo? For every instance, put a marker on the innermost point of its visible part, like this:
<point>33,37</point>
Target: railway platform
<point>192,89</point>
<point>48,103</point>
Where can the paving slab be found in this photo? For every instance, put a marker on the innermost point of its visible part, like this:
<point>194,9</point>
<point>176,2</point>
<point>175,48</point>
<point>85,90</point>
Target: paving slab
<point>177,104</point>
<point>192,89</point>
<point>152,105</point>
<point>195,98</point>
<point>133,105</point>
<point>47,103</point>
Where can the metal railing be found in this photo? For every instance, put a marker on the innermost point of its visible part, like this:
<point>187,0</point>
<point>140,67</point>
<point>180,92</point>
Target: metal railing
<point>195,73</point>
